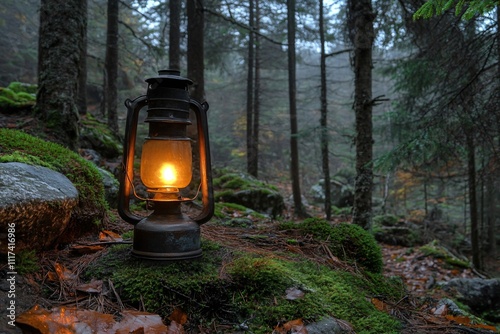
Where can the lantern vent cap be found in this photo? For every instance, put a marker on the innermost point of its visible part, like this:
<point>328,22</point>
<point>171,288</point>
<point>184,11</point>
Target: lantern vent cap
<point>170,75</point>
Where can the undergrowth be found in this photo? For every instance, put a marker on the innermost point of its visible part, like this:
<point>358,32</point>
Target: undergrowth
<point>233,287</point>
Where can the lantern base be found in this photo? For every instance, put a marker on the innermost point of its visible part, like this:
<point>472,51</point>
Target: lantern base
<point>167,236</point>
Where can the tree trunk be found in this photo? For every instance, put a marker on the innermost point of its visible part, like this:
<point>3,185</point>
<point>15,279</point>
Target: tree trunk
<point>474,225</point>
<point>324,119</point>
<point>195,58</point>
<point>256,94</point>
<point>250,92</point>
<point>82,76</point>
<point>111,64</point>
<point>292,94</point>
<point>360,21</point>
<point>195,66</point>
<point>59,55</point>
<point>174,49</point>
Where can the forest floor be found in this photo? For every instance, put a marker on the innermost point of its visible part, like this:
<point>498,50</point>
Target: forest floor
<point>59,272</point>
<point>55,283</point>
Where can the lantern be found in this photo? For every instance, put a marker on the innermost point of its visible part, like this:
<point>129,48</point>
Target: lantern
<point>166,168</point>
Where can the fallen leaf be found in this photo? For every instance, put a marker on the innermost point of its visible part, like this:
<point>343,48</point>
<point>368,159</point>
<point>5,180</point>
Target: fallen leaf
<point>109,236</point>
<point>175,328</point>
<point>459,319</point>
<point>61,273</point>
<point>441,310</point>
<point>293,326</point>
<point>379,305</point>
<point>135,321</point>
<point>95,286</point>
<point>65,320</point>
<point>178,316</point>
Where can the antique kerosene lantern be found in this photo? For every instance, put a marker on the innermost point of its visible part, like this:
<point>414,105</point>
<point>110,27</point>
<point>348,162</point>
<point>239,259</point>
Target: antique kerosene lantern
<point>166,168</point>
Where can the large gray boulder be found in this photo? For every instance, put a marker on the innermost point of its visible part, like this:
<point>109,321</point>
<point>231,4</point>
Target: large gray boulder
<point>36,203</point>
<point>479,294</point>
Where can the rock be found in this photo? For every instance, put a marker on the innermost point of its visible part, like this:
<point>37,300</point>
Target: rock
<point>391,230</point>
<point>246,190</point>
<point>479,294</point>
<point>111,186</point>
<point>328,325</point>
<point>37,201</point>
<point>261,200</point>
<point>341,194</point>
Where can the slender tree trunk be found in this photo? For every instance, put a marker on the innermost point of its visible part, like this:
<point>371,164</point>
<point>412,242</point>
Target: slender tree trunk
<point>292,94</point>
<point>474,224</point>
<point>82,76</point>
<point>361,17</point>
<point>59,55</point>
<point>174,48</point>
<point>111,64</point>
<point>195,58</point>
<point>324,118</point>
<point>250,91</point>
<point>195,64</point>
<point>490,195</point>
<point>256,94</point>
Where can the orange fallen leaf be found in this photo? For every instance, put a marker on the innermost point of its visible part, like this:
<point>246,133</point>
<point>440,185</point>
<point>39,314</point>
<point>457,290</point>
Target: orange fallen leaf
<point>178,316</point>
<point>458,319</point>
<point>295,326</point>
<point>109,236</point>
<point>379,305</point>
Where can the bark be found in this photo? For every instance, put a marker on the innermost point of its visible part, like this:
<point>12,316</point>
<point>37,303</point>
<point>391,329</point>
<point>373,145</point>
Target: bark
<point>250,91</point>
<point>256,95</point>
<point>360,21</point>
<point>474,225</point>
<point>82,82</point>
<point>195,58</point>
<point>324,118</point>
<point>59,55</point>
<point>292,94</point>
<point>195,65</point>
<point>111,64</point>
<point>174,49</point>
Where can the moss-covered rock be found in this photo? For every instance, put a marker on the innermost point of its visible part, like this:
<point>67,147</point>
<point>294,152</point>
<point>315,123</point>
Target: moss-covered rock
<point>228,288</point>
<point>97,136</point>
<point>244,189</point>
<point>392,230</point>
<point>17,146</point>
<point>17,97</point>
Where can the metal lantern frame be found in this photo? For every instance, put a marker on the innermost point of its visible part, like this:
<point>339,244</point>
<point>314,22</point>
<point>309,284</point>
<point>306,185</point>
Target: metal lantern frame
<point>167,233</point>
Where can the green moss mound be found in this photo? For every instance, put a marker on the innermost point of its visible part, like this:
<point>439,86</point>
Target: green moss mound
<point>17,146</point>
<point>17,97</point>
<point>227,288</point>
<point>349,242</point>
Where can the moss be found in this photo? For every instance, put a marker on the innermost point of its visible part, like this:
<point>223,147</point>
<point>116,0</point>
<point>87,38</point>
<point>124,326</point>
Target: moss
<point>439,252</point>
<point>223,287</point>
<point>20,87</point>
<point>348,242</point>
<point>14,97</point>
<point>386,220</point>
<point>17,146</point>
<point>96,135</point>
<point>26,262</point>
